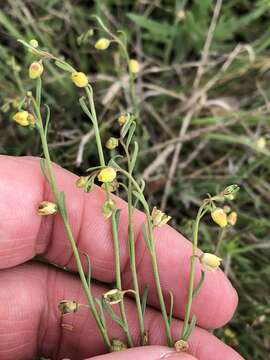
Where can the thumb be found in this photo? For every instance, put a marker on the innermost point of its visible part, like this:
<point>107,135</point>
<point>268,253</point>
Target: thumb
<point>146,353</point>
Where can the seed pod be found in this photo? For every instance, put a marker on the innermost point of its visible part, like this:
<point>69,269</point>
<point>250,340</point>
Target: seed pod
<point>118,345</point>
<point>68,306</point>
<point>36,70</point>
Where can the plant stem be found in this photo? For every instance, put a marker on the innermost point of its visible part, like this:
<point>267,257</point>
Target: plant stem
<point>69,233</point>
<point>152,249</point>
<point>132,253</point>
<point>192,270</point>
<point>89,93</point>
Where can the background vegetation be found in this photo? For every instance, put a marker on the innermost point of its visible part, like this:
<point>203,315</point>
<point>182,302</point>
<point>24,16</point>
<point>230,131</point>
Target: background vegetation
<point>203,95</point>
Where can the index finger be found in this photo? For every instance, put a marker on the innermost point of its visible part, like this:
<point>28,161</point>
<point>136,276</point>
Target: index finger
<point>24,235</point>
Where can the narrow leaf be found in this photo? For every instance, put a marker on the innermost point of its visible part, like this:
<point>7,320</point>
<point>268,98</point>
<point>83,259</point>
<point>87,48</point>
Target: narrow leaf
<point>64,66</point>
<point>88,271</point>
<point>131,132</point>
<point>102,316</point>
<point>190,328</point>
<point>134,156</point>
<point>199,286</point>
<point>144,299</point>
<point>47,120</point>
<point>171,307</point>
<point>62,205</point>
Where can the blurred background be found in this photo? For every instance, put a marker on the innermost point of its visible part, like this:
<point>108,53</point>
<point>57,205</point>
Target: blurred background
<point>204,116</point>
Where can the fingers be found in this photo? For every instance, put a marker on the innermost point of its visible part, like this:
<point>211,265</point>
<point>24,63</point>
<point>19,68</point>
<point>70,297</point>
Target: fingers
<point>30,323</point>
<point>24,234</point>
<point>145,353</point>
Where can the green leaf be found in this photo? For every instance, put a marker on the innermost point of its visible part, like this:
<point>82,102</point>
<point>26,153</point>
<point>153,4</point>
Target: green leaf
<point>131,132</point>
<point>85,108</point>
<point>199,286</point>
<point>88,271</point>
<point>145,237</point>
<point>161,31</point>
<point>64,66</point>
<point>102,316</point>
<point>62,204</point>
<point>134,156</point>
<point>190,328</point>
<point>144,298</point>
<point>112,314</point>
<point>47,120</point>
<point>171,307</point>
<point>43,166</point>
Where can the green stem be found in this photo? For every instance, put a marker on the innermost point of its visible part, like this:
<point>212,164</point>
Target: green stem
<point>132,253</point>
<point>192,269</point>
<point>61,206</point>
<point>153,258</point>
<point>89,93</point>
<point>221,236</point>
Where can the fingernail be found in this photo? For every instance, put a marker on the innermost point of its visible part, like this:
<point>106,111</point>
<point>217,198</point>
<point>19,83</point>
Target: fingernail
<point>177,356</point>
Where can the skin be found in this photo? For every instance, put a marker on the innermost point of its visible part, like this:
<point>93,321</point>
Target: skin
<point>30,292</point>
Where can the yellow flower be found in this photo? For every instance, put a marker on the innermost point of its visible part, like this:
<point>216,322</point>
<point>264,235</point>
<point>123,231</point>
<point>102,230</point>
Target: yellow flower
<point>219,216</point>
<point>210,261</point>
<point>102,44</point>
<point>35,70</point>
<point>112,143</point>
<point>107,175</point>
<point>68,306</point>
<point>122,119</point>
<point>134,66</point>
<point>79,79</point>
<point>232,218</point>
<point>82,181</point>
<point>159,218</point>
<point>24,118</point>
<point>181,345</point>
<point>47,208</point>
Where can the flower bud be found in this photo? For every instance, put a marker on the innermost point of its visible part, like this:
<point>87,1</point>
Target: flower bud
<point>35,70</point>
<point>261,143</point>
<point>107,174</point>
<point>210,261</point>
<point>112,143</point>
<point>22,118</point>
<point>82,181</point>
<point>226,209</point>
<point>134,66</point>
<point>102,44</point>
<point>118,345</point>
<point>79,79</point>
<point>159,218</point>
<point>108,207</point>
<point>219,216</point>
<point>122,119</point>
<point>230,191</point>
<point>232,218</point>
<point>68,306</point>
<point>181,345</point>
<point>34,43</point>
<point>47,208</point>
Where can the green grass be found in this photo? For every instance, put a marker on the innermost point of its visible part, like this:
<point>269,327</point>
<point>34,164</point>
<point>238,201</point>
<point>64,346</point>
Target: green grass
<point>236,105</point>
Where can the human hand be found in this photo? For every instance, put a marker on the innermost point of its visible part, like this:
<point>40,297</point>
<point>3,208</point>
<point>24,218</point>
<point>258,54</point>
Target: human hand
<point>30,292</point>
